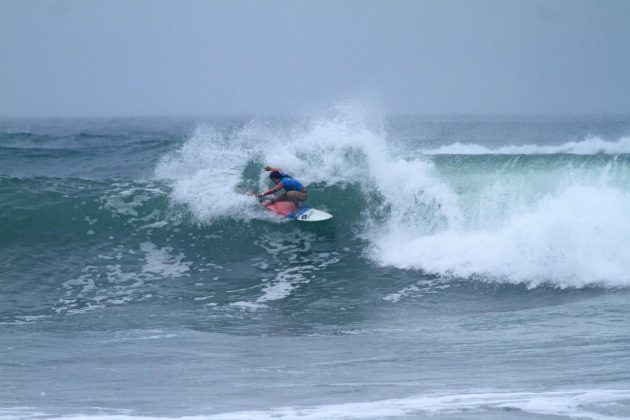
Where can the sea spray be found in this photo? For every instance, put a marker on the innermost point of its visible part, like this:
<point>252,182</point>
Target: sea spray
<point>210,171</point>
<point>206,174</point>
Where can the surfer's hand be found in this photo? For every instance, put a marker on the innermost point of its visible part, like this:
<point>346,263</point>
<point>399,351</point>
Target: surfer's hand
<point>258,195</point>
<point>268,168</point>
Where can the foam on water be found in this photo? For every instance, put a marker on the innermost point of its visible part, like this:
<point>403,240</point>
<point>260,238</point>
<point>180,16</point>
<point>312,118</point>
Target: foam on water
<point>163,262</point>
<point>101,285</point>
<point>586,404</point>
<point>299,264</point>
<point>596,404</point>
<point>576,238</point>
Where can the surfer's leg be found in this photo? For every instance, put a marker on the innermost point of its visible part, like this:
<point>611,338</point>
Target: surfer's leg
<point>296,197</point>
<point>280,197</point>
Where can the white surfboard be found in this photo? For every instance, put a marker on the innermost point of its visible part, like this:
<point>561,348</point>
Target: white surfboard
<point>310,215</point>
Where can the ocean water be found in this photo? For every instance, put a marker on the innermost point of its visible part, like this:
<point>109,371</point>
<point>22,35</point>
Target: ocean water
<point>476,268</point>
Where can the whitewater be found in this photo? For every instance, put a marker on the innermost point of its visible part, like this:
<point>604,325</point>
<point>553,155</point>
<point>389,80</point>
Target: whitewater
<point>476,267</point>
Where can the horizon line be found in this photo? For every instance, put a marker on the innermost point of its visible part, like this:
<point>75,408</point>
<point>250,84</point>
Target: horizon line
<point>302,115</point>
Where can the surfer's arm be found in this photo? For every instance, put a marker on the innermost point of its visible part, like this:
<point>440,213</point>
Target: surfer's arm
<point>278,187</point>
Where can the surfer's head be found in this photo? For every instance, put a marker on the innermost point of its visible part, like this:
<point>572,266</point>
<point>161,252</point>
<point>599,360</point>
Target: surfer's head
<point>275,176</point>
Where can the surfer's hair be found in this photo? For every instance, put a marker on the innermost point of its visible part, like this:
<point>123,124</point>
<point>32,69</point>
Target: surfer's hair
<point>276,175</point>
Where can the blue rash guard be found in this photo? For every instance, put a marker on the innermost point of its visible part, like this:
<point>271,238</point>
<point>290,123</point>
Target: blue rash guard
<point>290,184</point>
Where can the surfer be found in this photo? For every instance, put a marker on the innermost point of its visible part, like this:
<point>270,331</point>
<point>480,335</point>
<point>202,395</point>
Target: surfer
<point>294,191</point>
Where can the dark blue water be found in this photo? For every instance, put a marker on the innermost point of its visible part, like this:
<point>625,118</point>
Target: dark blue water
<point>474,268</point>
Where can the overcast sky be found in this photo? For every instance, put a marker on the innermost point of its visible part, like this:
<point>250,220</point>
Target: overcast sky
<point>152,57</point>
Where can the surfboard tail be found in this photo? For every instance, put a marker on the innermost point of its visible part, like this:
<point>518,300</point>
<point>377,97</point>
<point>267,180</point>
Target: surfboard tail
<point>291,212</point>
